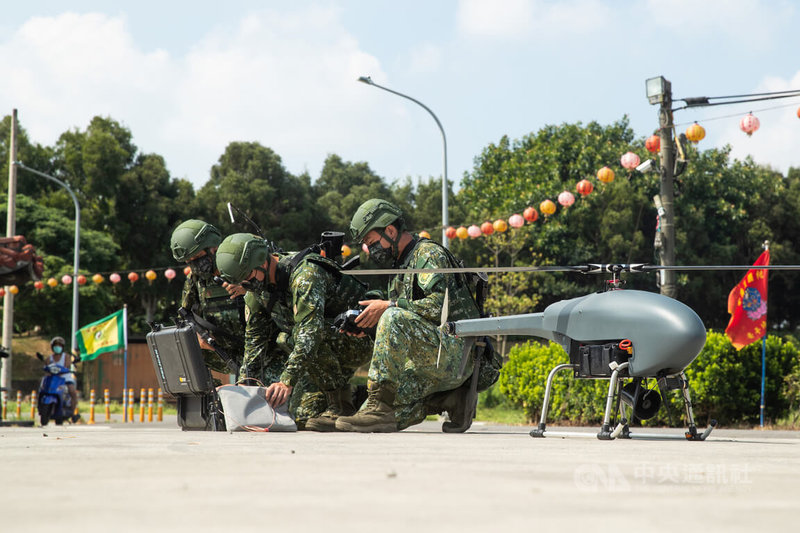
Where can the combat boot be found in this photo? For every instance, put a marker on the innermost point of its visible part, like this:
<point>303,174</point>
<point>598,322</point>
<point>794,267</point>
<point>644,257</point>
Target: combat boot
<point>340,403</point>
<point>377,415</point>
<point>460,406</point>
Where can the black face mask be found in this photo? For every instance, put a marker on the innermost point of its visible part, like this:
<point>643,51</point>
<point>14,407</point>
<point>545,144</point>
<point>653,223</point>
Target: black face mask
<point>202,267</point>
<point>383,257</point>
<point>255,285</point>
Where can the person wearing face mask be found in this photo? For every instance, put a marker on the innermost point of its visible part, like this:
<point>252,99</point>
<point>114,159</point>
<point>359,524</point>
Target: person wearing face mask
<point>412,361</point>
<point>291,346</point>
<point>60,357</point>
<point>195,242</point>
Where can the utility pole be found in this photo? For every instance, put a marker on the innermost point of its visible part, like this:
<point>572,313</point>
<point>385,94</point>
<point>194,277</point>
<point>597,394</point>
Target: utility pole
<point>659,91</point>
<point>11,229</point>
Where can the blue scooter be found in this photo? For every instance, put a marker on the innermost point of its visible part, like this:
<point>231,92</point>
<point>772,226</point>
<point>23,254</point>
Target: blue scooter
<point>54,399</point>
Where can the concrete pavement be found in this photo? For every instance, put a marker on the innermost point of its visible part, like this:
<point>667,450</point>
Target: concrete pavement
<point>154,477</point>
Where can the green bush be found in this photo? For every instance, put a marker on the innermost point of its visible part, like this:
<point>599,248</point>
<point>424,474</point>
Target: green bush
<point>725,384</point>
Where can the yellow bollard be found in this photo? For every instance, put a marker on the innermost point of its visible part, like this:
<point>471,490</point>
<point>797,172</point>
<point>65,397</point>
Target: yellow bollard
<point>131,399</point>
<point>149,405</point>
<point>33,404</point>
<point>107,402</point>
<point>160,405</point>
<point>19,404</point>
<point>141,405</point>
<point>91,406</point>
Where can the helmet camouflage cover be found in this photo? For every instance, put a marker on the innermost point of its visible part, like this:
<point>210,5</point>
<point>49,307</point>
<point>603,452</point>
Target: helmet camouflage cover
<point>373,214</point>
<point>192,237</point>
<point>239,254</point>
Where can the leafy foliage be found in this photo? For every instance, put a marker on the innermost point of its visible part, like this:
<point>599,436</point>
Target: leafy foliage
<point>725,384</point>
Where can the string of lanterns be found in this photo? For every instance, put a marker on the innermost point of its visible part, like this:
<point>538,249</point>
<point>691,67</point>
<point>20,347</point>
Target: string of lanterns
<point>133,276</point>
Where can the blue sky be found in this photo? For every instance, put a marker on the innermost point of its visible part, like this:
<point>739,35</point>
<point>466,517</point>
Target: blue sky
<point>189,77</point>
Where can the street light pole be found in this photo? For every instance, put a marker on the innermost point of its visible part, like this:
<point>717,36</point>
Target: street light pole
<point>76,256</point>
<point>368,81</point>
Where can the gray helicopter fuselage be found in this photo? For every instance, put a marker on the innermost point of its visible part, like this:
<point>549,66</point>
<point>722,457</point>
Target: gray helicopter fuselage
<point>666,335</point>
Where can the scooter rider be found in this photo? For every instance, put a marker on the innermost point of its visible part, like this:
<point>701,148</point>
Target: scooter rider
<point>60,357</point>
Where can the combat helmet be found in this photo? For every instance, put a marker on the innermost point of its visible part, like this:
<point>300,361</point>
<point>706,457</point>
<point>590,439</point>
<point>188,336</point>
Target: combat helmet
<point>191,237</point>
<point>239,254</point>
<point>374,214</point>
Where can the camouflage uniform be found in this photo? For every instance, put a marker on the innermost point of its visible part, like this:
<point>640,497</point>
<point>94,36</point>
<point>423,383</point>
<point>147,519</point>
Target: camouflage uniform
<point>408,336</point>
<point>296,344</point>
<point>213,303</point>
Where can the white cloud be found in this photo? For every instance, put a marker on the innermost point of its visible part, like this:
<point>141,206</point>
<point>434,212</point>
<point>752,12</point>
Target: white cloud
<point>285,80</point>
<point>753,22</point>
<point>776,141</point>
<point>523,19</point>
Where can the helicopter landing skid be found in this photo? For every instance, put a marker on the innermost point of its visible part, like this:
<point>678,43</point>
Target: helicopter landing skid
<point>621,430</point>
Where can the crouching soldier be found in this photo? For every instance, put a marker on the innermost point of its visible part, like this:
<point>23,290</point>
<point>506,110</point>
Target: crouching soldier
<point>292,301</point>
<point>412,360</point>
<point>195,243</point>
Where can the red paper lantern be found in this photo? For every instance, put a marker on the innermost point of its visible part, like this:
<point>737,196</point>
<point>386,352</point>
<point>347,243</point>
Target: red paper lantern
<point>2,292</point>
<point>66,279</point>
<point>749,124</point>
<point>798,112</point>
<point>629,160</point>
<point>530,214</point>
<point>547,207</point>
<point>566,198</point>
<point>605,174</point>
<point>653,143</point>
<point>695,132</point>
<point>487,228</point>
<point>81,279</point>
<point>584,187</point>
<point>450,232</point>
<point>474,231</point>
<point>132,277</point>
<point>169,274</point>
<point>114,278</point>
<point>188,270</point>
<point>38,285</point>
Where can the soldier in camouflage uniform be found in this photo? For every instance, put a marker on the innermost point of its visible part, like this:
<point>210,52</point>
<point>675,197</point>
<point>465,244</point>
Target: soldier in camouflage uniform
<point>292,301</point>
<point>408,366</point>
<point>194,242</point>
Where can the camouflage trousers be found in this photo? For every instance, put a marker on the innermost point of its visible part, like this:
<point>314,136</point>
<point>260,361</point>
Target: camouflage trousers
<point>405,355</point>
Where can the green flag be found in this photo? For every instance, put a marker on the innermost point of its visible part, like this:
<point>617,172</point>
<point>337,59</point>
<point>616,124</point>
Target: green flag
<point>105,335</point>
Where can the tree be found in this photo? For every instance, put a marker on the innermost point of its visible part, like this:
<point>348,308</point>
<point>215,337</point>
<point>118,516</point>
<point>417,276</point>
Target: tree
<point>342,187</point>
<point>252,178</point>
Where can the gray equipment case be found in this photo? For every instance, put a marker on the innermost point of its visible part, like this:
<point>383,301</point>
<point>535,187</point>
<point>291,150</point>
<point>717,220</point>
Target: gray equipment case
<point>181,372</point>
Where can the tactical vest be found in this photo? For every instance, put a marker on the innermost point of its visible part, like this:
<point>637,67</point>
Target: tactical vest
<point>462,303</point>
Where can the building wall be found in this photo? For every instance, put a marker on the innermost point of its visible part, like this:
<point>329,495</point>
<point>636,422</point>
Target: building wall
<point>107,372</point>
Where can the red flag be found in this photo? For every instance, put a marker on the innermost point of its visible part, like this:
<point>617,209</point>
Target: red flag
<point>747,304</point>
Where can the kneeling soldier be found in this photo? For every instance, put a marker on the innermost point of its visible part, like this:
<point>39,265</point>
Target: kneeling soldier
<point>295,298</point>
